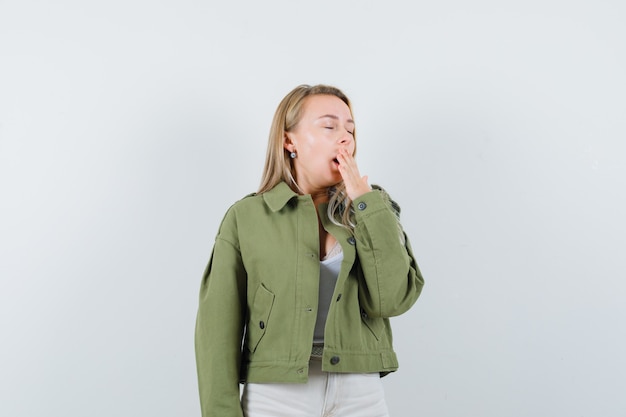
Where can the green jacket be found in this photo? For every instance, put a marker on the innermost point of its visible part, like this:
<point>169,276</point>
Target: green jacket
<point>259,294</point>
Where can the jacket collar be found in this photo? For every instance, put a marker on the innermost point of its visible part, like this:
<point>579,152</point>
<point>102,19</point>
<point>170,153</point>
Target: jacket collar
<point>277,197</point>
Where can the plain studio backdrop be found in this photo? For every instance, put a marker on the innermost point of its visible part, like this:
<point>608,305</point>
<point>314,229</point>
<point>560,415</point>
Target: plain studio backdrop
<point>127,128</point>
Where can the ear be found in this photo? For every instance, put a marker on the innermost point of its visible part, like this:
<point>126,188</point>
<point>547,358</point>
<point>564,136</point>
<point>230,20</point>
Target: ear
<point>288,143</point>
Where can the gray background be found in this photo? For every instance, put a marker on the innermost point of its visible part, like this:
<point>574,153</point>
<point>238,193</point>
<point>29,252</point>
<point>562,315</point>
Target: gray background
<point>128,127</point>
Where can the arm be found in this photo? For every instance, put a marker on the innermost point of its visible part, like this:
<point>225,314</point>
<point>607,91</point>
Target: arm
<point>220,326</point>
<point>392,280</point>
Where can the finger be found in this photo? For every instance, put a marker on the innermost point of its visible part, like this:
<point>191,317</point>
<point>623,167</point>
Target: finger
<point>356,185</point>
<point>349,171</point>
<point>347,161</point>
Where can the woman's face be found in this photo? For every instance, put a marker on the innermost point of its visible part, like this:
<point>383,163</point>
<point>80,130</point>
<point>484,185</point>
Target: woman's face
<point>326,126</point>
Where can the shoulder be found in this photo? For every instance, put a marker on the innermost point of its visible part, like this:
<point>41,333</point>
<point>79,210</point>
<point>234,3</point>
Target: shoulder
<point>246,200</point>
<point>240,208</point>
<point>246,204</point>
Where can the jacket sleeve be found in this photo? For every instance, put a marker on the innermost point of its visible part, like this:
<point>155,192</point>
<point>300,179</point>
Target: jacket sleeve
<point>220,325</point>
<point>392,281</point>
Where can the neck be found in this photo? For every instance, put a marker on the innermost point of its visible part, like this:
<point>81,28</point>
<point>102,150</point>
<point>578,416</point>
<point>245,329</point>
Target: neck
<point>319,197</point>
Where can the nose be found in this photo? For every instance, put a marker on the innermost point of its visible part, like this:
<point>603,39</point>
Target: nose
<point>347,141</point>
<point>346,138</point>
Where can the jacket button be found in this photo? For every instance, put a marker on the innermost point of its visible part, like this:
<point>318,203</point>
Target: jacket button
<point>334,360</point>
<point>362,206</point>
<point>351,240</point>
<point>339,297</point>
<point>262,325</point>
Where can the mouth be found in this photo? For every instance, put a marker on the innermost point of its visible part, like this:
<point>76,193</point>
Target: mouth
<point>335,161</point>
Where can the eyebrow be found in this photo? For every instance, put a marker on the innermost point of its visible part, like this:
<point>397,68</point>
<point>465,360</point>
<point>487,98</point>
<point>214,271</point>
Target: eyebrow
<point>332,116</point>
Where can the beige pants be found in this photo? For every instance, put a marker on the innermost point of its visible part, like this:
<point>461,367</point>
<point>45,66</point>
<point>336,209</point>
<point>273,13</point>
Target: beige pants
<point>326,394</point>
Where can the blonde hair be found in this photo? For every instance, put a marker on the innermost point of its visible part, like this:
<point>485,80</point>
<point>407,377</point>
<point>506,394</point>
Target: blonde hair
<point>279,166</point>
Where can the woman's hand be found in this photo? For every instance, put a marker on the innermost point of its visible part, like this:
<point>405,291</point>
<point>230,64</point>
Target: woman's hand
<point>356,185</point>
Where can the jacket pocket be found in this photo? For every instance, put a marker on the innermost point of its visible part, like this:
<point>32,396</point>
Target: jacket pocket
<point>376,326</point>
<point>259,316</point>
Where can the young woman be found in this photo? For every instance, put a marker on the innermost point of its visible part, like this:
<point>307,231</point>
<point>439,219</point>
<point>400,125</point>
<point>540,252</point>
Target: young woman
<point>304,274</point>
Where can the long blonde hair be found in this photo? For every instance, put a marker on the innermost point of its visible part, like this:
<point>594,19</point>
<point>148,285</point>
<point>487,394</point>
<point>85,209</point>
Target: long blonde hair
<point>279,166</point>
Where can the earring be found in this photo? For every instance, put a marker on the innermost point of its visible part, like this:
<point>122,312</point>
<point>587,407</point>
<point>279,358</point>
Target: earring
<point>292,155</point>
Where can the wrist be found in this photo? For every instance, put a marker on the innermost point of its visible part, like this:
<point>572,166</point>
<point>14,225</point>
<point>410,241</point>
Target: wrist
<point>359,192</point>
